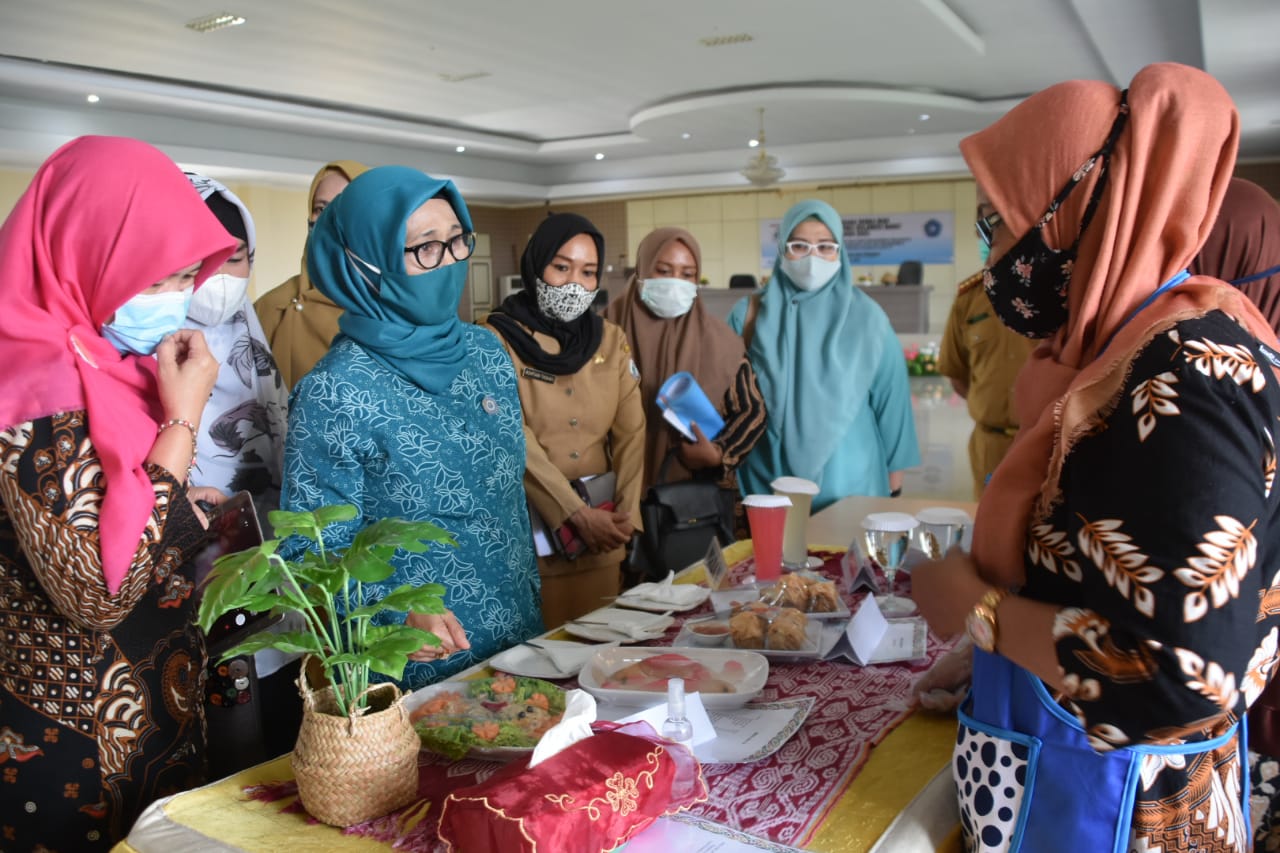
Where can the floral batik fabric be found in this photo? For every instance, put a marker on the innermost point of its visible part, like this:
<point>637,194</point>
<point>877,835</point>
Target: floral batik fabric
<point>1163,554</point>
<point>100,695</point>
<point>362,434</point>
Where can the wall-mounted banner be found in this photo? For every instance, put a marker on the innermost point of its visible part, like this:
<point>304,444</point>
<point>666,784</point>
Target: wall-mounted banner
<point>882,239</point>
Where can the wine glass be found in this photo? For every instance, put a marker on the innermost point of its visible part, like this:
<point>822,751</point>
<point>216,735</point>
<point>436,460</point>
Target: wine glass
<point>887,536</point>
<point>940,528</point>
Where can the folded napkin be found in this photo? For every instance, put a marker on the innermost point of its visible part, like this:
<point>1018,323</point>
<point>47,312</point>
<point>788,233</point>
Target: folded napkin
<point>668,592</point>
<point>565,655</point>
<point>574,725</point>
<point>628,630</point>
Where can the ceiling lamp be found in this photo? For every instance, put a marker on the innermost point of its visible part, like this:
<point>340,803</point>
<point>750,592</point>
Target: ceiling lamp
<point>762,169</point>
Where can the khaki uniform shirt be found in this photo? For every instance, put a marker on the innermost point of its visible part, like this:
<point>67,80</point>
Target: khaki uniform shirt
<point>587,423</point>
<point>979,350</point>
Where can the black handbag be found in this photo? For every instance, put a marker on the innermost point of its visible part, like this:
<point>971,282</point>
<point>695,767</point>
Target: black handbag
<point>680,520</point>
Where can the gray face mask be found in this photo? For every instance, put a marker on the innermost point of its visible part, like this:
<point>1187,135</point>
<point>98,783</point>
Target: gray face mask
<point>565,303</point>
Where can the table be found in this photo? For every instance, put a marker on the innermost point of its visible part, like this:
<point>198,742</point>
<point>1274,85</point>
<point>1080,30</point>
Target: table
<point>833,787</point>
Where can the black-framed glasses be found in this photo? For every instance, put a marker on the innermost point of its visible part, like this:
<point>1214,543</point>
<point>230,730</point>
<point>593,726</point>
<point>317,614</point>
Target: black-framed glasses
<point>803,248</point>
<point>987,226</point>
<point>430,254</point>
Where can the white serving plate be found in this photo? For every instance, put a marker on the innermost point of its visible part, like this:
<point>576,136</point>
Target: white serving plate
<point>812,649</point>
<point>722,601</point>
<point>755,670</point>
<point>489,753</point>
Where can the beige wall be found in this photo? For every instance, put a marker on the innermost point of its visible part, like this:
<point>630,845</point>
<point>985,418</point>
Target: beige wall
<point>727,226</point>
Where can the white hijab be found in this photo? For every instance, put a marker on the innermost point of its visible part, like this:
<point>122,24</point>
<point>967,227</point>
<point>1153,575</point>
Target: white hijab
<point>241,442</point>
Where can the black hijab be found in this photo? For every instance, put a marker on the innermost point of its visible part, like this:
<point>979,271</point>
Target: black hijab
<point>579,339</point>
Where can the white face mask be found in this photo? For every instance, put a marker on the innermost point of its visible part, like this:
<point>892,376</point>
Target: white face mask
<point>565,303</point>
<point>810,272</point>
<point>668,297</point>
<point>218,299</point>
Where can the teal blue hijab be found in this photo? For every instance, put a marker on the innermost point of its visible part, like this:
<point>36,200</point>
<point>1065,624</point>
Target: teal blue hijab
<point>815,354</point>
<point>355,256</point>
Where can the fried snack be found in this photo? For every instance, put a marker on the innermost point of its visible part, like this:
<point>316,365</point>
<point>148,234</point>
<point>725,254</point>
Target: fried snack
<point>791,591</point>
<point>787,630</point>
<point>823,597</point>
<point>746,629</point>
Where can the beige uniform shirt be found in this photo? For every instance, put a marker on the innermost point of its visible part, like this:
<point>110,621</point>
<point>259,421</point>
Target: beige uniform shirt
<point>980,351</point>
<point>587,423</point>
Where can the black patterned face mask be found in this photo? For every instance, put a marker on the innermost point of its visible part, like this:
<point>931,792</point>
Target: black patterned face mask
<point>1028,284</point>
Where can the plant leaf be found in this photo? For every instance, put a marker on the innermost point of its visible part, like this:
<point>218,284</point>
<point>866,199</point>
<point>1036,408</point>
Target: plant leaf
<point>290,642</point>
<point>327,515</point>
<point>407,597</point>
<point>294,524</point>
<point>366,566</point>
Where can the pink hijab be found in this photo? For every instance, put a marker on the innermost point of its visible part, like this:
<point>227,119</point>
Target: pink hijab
<point>1169,174</point>
<point>103,219</point>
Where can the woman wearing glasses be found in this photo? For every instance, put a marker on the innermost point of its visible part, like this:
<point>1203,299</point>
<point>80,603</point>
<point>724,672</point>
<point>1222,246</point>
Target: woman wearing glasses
<point>413,413</point>
<point>582,412</point>
<point>1121,594</point>
<point>830,368</point>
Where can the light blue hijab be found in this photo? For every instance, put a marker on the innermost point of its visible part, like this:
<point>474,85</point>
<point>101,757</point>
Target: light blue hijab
<point>355,256</point>
<point>815,354</point>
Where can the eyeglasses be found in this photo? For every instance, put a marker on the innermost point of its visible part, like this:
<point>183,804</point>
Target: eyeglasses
<point>430,254</point>
<point>801,248</point>
<point>987,226</point>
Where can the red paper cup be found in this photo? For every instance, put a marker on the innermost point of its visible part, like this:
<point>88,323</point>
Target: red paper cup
<point>767,515</point>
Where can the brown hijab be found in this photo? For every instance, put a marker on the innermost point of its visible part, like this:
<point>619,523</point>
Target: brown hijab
<point>1245,241</point>
<point>299,321</point>
<point>1168,176</point>
<point>698,342</point>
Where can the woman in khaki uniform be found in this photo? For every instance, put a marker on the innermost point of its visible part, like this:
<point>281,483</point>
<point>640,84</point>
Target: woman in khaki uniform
<point>583,414</point>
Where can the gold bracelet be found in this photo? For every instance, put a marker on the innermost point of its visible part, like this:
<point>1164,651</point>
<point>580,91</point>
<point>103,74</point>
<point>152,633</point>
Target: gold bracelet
<point>194,439</point>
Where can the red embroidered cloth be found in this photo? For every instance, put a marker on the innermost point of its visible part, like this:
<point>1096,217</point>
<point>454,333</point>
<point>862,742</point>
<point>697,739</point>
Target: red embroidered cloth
<point>784,797</point>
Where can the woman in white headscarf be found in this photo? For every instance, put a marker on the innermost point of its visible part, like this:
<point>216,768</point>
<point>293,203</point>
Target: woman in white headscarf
<point>242,433</point>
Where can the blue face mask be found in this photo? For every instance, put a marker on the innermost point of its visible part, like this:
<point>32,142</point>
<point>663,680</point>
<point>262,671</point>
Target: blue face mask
<point>984,252</point>
<point>426,299</point>
<point>145,320</point>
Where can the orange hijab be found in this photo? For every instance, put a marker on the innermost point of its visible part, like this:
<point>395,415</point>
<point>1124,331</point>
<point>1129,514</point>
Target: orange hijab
<point>1168,175</point>
<point>698,342</point>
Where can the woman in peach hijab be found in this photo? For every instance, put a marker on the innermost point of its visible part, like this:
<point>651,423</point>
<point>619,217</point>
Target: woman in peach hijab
<point>1118,590</point>
<point>299,321</point>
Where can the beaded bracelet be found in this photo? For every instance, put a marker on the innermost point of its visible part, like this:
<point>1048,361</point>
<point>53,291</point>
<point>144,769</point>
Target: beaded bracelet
<point>190,428</point>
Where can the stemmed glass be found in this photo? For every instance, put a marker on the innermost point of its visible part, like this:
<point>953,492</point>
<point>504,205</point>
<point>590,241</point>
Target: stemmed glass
<point>940,528</point>
<point>887,537</point>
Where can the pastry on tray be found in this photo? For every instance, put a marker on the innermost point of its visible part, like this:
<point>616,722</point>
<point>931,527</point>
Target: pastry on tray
<point>761,627</point>
<point>806,594</point>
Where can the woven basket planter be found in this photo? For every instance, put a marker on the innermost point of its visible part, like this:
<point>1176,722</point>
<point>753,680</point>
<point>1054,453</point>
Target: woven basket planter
<point>353,769</point>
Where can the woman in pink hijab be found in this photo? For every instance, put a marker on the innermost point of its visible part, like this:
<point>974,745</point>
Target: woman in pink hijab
<point>100,402</point>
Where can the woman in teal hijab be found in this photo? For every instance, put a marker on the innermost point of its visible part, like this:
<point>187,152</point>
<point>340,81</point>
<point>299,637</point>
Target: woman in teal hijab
<point>415,414</point>
<point>830,368</point>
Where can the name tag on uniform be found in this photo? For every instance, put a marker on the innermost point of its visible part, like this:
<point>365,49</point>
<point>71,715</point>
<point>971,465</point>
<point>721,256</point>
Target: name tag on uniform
<point>978,318</point>
<point>1269,354</point>
<point>540,375</point>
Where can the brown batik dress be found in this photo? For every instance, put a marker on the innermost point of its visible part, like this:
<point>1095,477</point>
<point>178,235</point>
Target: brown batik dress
<point>100,695</point>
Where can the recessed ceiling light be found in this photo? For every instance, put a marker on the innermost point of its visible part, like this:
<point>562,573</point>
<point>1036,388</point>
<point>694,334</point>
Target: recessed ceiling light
<point>924,116</point>
<point>752,143</point>
<point>460,148</point>
<point>216,21</point>
<point>686,135</point>
<point>599,155</point>
<point>93,99</point>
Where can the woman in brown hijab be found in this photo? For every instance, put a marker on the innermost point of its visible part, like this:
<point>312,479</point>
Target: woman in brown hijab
<point>1244,247</point>
<point>1119,592</point>
<point>300,322</point>
<point>671,331</point>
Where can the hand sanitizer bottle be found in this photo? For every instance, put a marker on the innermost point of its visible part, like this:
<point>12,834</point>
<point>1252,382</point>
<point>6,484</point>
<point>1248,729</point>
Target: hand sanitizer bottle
<point>677,727</point>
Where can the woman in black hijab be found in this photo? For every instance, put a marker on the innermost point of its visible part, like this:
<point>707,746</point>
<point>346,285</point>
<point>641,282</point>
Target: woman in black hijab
<point>583,414</point>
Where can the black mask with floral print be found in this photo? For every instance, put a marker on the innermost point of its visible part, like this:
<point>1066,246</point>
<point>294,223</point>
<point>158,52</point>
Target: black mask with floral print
<point>1027,285</point>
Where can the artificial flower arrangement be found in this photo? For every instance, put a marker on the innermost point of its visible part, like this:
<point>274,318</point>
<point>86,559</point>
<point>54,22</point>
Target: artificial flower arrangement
<point>921,361</point>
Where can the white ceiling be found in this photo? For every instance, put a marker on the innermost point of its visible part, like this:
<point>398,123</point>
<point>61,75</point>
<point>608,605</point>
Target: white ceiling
<point>535,90</point>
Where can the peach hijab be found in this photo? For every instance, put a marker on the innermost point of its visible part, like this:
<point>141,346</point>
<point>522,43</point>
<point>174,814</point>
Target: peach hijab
<point>1168,175</point>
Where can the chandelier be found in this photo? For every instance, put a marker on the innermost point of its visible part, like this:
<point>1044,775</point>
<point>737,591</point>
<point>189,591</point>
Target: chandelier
<point>762,169</point>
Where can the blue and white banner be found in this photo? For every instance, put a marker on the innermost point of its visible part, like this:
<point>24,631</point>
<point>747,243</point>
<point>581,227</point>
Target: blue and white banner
<point>882,239</point>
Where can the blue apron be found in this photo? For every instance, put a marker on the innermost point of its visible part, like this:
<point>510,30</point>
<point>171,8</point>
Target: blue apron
<point>1027,778</point>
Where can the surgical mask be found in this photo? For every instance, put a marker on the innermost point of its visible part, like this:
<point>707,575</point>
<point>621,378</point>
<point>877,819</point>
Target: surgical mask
<point>1028,284</point>
<point>984,252</point>
<point>668,297</point>
<point>147,319</point>
<point>217,300</point>
<point>428,299</point>
<point>810,272</point>
<point>565,303</point>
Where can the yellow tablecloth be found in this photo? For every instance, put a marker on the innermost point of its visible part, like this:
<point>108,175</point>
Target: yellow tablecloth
<point>895,772</point>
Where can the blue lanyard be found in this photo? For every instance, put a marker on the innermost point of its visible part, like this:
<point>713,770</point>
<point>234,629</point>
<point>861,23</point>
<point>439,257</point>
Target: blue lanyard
<point>1178,279</point>
<point>1264,274</point>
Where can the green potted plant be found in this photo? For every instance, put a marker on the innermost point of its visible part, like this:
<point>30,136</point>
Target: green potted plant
<point>356,755</point>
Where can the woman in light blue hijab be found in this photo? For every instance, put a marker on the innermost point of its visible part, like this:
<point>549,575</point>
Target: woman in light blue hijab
<point>830,368</point>
<point>415,414</point>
